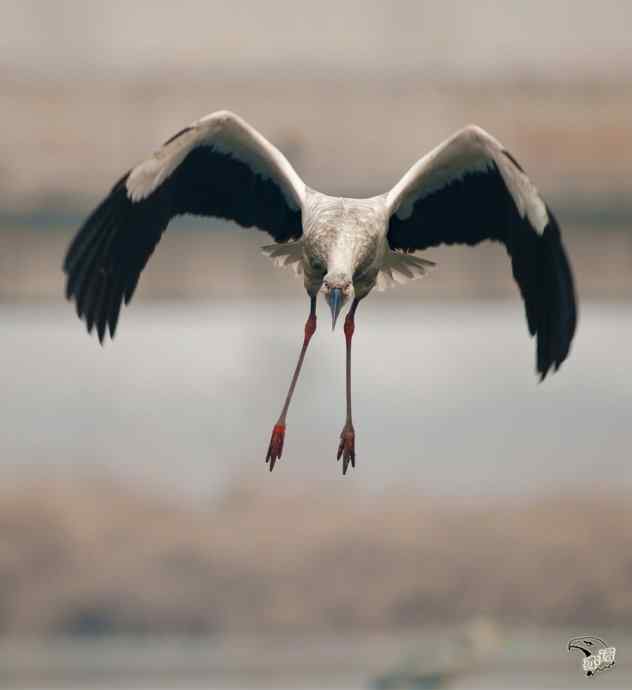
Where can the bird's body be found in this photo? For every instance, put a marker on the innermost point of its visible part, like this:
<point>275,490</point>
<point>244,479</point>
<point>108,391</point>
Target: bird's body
<point>343,237</point>
<point>468,189</point>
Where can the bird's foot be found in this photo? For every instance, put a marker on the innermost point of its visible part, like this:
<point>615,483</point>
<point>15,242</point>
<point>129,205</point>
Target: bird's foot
<point>346,449</point>
<point>276,445</point>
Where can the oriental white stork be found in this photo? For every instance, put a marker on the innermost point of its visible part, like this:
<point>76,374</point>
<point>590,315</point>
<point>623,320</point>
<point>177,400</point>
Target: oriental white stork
<point>466,190</point>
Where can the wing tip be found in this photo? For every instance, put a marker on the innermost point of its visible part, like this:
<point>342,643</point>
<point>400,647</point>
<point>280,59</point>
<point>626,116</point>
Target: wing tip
<point>95,277</point>
<point>557,318</point>
<point>99,324</point>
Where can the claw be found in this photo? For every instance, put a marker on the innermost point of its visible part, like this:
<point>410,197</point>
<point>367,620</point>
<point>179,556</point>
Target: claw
<point>276,445</point>
<point>346,449</point>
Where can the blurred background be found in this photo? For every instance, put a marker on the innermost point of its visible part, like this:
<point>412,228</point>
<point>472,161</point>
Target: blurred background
<point>142,541</point>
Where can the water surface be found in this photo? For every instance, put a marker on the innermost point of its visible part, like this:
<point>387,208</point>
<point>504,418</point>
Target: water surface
<point>445,397</point>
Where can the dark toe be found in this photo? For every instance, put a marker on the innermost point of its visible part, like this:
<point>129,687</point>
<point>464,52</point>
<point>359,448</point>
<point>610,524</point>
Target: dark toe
<point>275,449</point>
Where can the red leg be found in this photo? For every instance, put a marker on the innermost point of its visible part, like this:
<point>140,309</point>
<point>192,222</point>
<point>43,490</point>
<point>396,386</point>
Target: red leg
<point>346,449</point>
<point>278,432</point>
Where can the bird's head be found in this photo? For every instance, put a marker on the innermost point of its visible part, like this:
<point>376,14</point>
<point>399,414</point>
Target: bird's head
<point>338,290</point>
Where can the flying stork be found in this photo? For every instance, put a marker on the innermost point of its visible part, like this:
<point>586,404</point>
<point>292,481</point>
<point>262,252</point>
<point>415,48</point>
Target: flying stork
<point>468,189</point>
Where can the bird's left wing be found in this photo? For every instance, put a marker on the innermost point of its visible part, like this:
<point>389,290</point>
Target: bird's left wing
<point>219,166</point>
<point>470,189</point>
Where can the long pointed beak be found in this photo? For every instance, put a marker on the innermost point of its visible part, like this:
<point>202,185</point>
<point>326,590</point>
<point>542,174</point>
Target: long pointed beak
<point>335,303</point>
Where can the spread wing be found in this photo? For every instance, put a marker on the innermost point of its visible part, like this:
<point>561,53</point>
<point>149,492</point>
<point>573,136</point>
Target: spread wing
<point>219,166</point>
<point>470,189</point>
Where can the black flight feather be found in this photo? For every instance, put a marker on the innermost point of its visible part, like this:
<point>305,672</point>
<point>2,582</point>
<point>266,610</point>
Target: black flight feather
<point>104,261</point>
<point>478,207</point>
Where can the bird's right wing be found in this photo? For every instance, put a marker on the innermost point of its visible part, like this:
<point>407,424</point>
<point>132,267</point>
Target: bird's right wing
<point>219,166</point>
<point>470,189</point>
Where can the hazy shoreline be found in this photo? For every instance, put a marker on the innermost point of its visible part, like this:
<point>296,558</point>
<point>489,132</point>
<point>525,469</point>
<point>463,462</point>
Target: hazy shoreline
<point>87,557</point>
<point>219,262</point>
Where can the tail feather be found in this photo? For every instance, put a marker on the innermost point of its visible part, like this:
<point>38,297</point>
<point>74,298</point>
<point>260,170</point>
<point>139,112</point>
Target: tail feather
<point>399,268</point>
<point>286,255</point>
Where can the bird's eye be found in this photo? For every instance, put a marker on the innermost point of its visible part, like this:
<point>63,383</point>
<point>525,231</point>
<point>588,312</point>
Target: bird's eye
<point>316,265</point>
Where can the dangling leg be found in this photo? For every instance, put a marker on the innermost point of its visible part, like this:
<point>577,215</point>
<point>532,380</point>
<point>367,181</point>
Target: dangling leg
<point>346,449</point>
<point>278,432</point>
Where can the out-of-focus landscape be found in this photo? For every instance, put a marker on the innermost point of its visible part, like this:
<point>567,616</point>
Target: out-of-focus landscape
<point>488,520</point>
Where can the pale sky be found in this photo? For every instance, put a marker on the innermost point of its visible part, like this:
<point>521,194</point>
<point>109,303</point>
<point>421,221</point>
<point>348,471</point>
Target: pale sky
<point>553,37</point>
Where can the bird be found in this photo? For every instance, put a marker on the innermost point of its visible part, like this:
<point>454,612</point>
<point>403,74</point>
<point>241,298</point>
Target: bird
<point>466,190</point>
